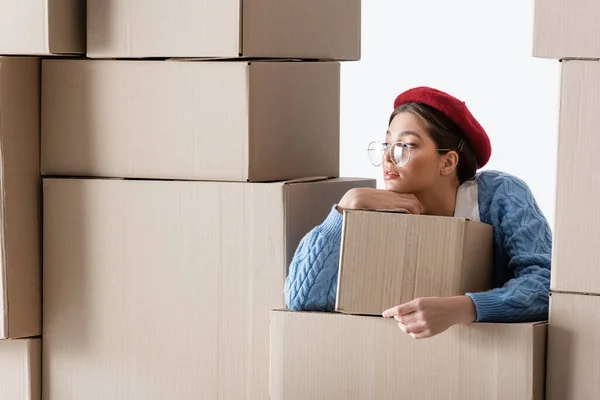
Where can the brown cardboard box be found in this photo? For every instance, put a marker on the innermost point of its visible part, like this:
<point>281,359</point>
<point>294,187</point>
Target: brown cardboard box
<point>230,121</point>
<point>315,29</point>
<point>566,29</point>
<point>20,369</point>
<point>573,347</point>
<point>163,289</point>
<point>335,356</point>
<point>577,221</point>
<point>42,27</point>
<point>20,264</point>
<point>389,258</point>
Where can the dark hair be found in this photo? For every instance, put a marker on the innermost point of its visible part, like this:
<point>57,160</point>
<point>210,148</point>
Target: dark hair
<point>445,134</point>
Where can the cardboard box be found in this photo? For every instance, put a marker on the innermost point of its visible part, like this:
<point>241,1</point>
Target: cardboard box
<point>20,264</point>
<point>20,369</point>
<point>566,29</point>
<point>315,29</point>
<point>573,347</point>
<point>389,258</point>
<point>156,286</point>
<point>577,219</point>
<point>335,356</point>
<point>42,27</point>
<point>230,121</point>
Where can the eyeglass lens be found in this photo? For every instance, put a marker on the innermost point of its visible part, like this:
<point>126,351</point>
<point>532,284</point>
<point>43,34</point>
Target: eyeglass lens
<point>399,153</point>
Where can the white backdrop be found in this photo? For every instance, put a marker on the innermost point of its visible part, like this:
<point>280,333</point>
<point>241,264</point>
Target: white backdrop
<point>479,51</point>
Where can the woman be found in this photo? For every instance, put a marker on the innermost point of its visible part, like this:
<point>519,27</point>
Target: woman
<point>430,158</point>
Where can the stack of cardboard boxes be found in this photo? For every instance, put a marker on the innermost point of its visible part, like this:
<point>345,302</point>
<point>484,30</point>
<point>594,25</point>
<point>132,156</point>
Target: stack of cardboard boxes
<point>28,29</point>
<point>567,31</point>
<point>389,259</point>
<point>178,181</point>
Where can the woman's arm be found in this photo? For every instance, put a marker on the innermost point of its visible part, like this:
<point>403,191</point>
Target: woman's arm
<point>523,232</point>
<point>312,280</point>
<point>311,283</point>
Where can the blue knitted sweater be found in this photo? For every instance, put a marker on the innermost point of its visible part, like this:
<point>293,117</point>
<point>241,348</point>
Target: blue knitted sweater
<point>522,252</point>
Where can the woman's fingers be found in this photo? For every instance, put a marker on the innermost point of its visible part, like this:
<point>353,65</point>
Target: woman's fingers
<point>407,319</point>
<point>412,328</point>
<point>408,202</point>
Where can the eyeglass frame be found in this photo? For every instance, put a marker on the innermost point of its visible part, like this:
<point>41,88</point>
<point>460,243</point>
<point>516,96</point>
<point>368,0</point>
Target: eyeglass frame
<point>388,146</point>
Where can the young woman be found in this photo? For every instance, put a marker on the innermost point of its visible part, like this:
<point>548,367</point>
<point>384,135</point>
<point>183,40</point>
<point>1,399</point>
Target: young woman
<point>432,150</point>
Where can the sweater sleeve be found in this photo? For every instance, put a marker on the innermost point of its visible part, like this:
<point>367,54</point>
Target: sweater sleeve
<point>523,232</point>
<point>311,283</point>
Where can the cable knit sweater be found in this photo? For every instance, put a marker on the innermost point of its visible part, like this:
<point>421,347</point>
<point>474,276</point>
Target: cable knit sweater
<point>522,252</point>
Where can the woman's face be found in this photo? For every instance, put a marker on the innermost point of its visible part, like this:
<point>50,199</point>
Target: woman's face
<point>423,168</point>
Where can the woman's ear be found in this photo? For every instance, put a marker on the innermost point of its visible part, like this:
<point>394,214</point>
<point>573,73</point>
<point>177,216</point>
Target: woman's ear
<point>449,163</point>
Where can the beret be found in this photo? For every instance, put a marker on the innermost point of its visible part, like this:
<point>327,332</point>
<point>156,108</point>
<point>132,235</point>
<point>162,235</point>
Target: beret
<point>456,111</point>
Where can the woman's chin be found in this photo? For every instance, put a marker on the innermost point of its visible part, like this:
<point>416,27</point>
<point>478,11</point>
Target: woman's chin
<point>399,186</point>
<point>393,186</point>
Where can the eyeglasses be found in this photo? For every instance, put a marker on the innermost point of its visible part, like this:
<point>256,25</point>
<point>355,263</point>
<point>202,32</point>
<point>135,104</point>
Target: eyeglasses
<point>399,152</point>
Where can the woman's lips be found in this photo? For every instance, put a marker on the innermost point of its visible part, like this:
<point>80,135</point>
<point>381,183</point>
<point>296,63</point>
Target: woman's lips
<point>389,175</point>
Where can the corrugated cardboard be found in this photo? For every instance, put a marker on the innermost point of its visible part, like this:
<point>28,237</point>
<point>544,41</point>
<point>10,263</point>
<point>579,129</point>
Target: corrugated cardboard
<point>566,29</point>
<point>20,266</point>
<point>20,369</point>
<point>42,27</point>
<point>334,356</point>
<point>391,258</point>
<point>322,29</point>
<point>162,289</point>
<point>573,347</point>
<point>231,121</point>
<point>577,221</point>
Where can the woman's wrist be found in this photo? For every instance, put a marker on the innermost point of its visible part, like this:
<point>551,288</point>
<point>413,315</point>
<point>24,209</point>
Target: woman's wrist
<point>466,311</point>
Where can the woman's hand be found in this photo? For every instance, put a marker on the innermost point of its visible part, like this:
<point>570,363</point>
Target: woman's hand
<point>429,316</point>
<point>361,198</point>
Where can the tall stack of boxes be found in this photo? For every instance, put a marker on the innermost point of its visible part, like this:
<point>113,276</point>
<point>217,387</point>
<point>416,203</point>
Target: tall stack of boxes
<point>179,178</point>
<point>567,31</point>
<point>28,29</point>
<point>387,259</point>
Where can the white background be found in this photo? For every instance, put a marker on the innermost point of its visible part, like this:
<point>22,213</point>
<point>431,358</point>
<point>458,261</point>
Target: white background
<point>478,51</point>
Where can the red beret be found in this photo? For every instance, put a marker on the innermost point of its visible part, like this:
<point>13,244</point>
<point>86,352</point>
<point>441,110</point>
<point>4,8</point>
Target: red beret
<point>455,110</point>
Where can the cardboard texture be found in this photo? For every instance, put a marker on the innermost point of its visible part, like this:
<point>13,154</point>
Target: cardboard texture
<point>226,121</point>
<point>20,369</point>
<point>20,263</point>
<point>573,347</point>
<point>42,27</point>
<point>162,289</point>
<point>575,256</point>
<point>335,356</point>
<point>566,29</point>
<point>317,29</point>
<point>392,258</point>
